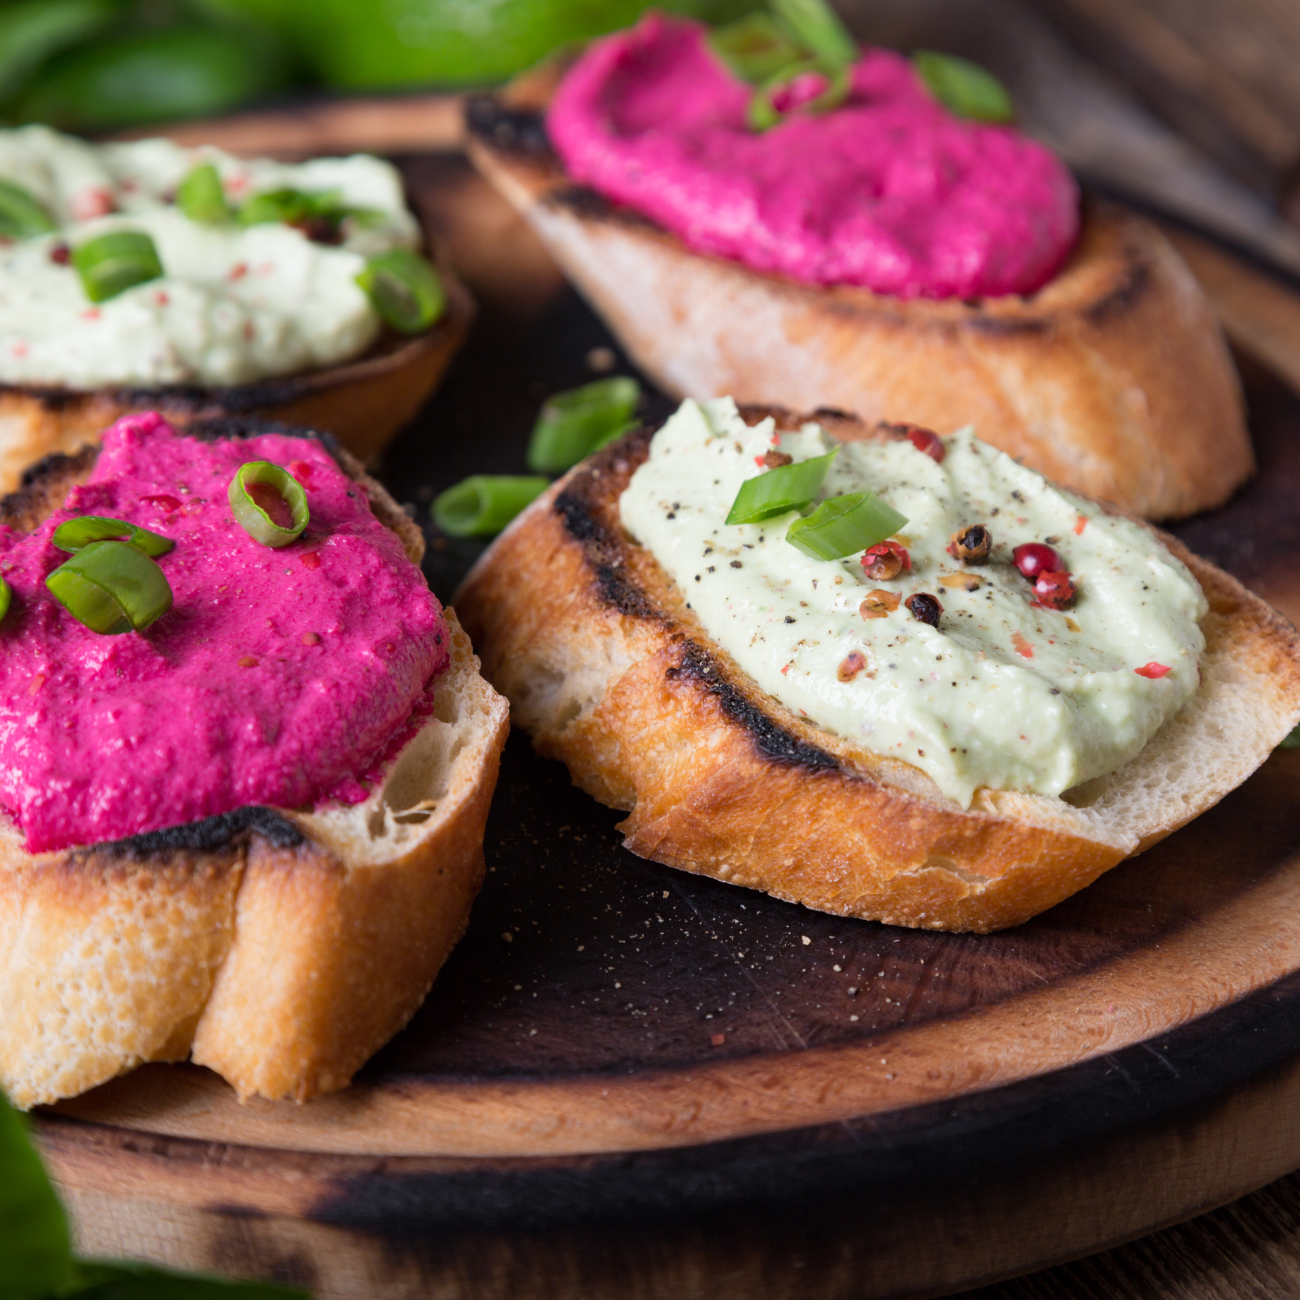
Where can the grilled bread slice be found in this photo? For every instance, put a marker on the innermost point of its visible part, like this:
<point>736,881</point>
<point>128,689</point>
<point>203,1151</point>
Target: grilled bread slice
<point>1113,379</point>
<point>279,947</point>
<point>610,671</point>
<point>363,402</point>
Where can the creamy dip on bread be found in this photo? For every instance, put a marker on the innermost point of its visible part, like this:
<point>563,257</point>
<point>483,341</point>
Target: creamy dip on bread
<point>278,677</point>
<point>1004,693</point>
<point>235,303</point>
<point>889,191</point>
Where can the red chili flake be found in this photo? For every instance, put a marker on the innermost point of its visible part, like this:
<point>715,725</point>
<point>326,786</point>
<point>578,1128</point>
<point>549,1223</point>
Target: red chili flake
<point>1022,646</point>
<point>301,470</point>
<point>97,202</point>
<point>238,271</point>
<point>311,638</point>
<point>786,669</point>
<point>37,682</point>
<point>60,254</point>
<point>1080,524</point>
<point>91,313</point>
<point>165,504</point>
<point>851,665</point>
<point>236,182</point>
<point>19,349</point>
<point>1054,590</point>
<point>249,330</point>
<point>311,560</point>
<point>886,561</point>
<point>1033,558</point>
<point>1152,670</point>
<point>758,460</point>
<point>247,661</point>
<point>925,440</point>
<point>717,1039</point>
<point>161,298</point>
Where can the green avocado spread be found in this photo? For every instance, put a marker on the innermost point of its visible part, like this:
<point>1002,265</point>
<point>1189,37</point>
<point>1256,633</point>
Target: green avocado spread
<point>1004,693</point>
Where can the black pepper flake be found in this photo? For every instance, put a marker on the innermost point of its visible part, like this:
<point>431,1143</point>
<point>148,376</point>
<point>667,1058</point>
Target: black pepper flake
<point>697,577</point>
<point>789,618</point>
<point>736,564</point>
<point>672,514</point>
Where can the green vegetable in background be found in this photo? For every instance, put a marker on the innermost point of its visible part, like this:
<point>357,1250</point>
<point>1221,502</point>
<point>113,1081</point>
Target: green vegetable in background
<point>135,77</point>
<point>36,1261</point>
<point>963,87</point>
<point>357,45</point>
<point>33,30</point>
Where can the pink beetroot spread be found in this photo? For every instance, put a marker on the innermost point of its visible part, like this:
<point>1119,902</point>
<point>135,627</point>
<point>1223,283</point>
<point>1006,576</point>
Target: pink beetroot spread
<point>889,191</point>
<point>278,677</point>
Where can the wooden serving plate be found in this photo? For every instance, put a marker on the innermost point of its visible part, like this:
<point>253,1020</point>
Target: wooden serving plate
<point>634,1083</point>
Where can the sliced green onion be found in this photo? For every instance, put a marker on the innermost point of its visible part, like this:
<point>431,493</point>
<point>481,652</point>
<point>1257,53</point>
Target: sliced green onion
<point>285,205</point>
<point>404,289</point>
<point>483,504</point>
<point>573,424</point>
<point>845,525</point>
<point>113,263</point>
<point>6,596</point>
<point>788,487</point>
<point>1290,741</point>
<point>820,28</point>
<point>756,47</point>
<point>112,588</point>
<point>21,216</point>
<point>763,112</point>
<point>73,534</point>
<point>268,503</point>
<point>963,87</point>
<point>201,198</point>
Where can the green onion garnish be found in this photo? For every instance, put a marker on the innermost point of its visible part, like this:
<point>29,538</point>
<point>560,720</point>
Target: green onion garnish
<point>963,87</point>
<point>74,534</point>
<point>268,503</point>
<point>763,112</point>
<point>1290,741</point>
<point>820,28</point>
<point>6,596</point>
<point>483,504</point>
<point>115,262</point>
<point>573,424</point>
<point>111,587</point>
<point>788,487</point>
<point>756,47</point>
<point>286,205</point>
<point>845,525</point>
<point>21,216</point>
<point>404,289</point>
<point>201,198</point>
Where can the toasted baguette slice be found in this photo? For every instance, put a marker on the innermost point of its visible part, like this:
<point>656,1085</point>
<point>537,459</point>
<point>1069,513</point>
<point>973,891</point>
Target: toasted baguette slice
<point>280,948</point>
<point>1113,379</point>
<point>363,403</point>
<point>610,671</point>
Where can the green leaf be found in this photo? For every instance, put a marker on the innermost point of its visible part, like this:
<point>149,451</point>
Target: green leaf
<point>140,1282</point>
<point>963,87</point>
<point>35,1254</point>
<point>820,28</point>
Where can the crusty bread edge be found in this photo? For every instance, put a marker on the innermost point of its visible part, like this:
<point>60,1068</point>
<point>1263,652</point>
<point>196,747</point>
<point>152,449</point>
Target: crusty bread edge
<point>1114,379</point>
<point>613,675</point>
<point>284,967</point>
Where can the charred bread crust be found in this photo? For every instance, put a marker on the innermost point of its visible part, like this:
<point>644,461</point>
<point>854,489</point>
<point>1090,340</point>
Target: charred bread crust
<point>610,672</point>
<point>279,947</point>
<point>1113,379</point>
<point>363,402</point>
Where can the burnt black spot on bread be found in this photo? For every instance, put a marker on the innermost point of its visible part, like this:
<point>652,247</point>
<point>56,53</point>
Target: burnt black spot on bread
<point>1125,295</point>
<point>517,131</point>
<point>43,487</point>
<point>587,205</point>
<point>771,740</point>
<point>212,833</point>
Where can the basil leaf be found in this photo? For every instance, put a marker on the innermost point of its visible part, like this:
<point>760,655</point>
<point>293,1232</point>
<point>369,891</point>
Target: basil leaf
<point>963,87</point>
<point>35,1253</point>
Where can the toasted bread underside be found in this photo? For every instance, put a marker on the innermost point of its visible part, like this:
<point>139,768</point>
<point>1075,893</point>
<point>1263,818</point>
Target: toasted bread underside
<point>279,948</point>
<point>363,403</point>
<point>609,671</point>
<point>1113,379</point>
